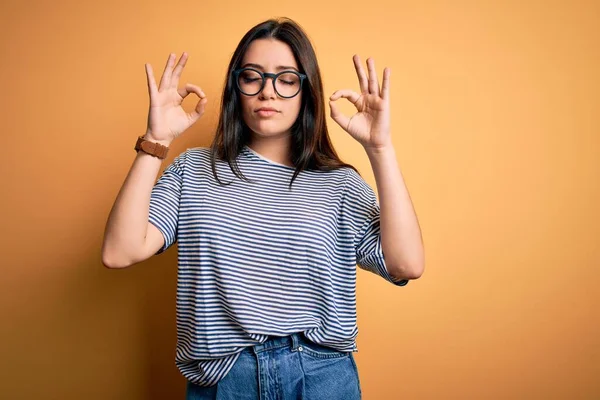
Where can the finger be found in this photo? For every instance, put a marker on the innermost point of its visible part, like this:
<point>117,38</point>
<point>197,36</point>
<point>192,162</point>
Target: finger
<point>200,106</point>
<point>362,76</point>
<point>199,110</point>
<point>351,95</point>
<point>150,77</point>
<point>385,87</point>
<point>338,116</point>
<point>190,88</point>
<point>373,82</point>
<point>178,69</point>
<point>166,76</point>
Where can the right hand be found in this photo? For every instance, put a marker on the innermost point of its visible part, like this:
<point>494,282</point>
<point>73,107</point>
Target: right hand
<point>166,117</point>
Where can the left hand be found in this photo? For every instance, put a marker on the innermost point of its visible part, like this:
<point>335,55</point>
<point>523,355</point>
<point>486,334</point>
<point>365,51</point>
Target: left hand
<point>370,126</point>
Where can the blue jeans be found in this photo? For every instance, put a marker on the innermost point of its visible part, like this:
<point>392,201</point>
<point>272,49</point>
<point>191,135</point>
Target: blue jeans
<point>286,368</point>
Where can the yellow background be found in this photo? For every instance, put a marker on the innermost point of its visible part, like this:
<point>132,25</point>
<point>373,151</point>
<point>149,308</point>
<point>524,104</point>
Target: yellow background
<point>495,122</point>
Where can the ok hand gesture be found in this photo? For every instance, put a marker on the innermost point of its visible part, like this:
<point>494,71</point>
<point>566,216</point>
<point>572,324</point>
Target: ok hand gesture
<point>370,126</point>
<point>166,118</point>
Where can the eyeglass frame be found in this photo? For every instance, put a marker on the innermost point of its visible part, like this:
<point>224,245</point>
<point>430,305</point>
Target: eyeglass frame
<point>264,76</point>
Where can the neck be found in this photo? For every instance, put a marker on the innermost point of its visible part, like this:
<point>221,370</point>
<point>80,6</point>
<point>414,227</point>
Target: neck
<point>274,148</point>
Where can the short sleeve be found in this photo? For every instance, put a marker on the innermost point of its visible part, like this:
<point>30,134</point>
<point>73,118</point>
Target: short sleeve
<point>164,201</point>
<point>361,202</point>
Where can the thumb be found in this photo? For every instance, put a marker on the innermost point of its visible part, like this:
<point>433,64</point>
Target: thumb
<point>338,116</point>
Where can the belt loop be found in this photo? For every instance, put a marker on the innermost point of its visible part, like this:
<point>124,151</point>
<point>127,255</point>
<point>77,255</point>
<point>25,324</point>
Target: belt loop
<point>294,337</point>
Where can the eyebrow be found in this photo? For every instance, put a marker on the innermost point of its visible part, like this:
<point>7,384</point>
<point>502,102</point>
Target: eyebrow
<point>278,68</point>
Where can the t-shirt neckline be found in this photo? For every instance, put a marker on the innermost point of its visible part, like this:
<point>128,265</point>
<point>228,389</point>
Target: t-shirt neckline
<point>265,159</point>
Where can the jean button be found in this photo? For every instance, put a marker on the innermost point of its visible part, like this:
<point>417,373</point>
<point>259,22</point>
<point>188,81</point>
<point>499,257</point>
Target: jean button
<point>300,348</point>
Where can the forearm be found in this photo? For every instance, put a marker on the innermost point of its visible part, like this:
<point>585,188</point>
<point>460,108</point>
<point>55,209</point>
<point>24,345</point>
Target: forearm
<point>127,224</point>
<point>400,232</point>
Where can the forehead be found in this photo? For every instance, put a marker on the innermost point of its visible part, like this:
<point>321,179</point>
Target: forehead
<point>270,53</point>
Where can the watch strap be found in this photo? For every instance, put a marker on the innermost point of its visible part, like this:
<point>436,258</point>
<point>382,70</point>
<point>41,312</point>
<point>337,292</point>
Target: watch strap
<point>152,148</point>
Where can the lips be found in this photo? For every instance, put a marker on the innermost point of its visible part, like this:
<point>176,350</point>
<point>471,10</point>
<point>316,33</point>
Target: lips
<point>265,109</point>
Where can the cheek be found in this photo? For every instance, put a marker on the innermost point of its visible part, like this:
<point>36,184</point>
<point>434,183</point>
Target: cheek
<point>246,108</point>
<point>294,108</point>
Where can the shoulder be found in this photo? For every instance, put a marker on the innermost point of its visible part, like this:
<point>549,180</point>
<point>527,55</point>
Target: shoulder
<point>193,156</point>
<point>354,182</point>
<point>189,159</point>
<point>195,152</point>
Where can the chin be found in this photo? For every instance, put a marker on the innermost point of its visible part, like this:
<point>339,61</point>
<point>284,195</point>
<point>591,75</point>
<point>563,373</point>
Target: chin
<point>269,130</point>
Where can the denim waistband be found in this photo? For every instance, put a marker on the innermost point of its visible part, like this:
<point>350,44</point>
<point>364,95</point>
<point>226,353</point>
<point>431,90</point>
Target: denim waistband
<point>277,342</point>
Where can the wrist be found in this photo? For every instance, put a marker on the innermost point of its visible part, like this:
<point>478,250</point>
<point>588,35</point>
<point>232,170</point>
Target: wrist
<point>148,136</point>
<point>157,148</point>
<point>380,151</point>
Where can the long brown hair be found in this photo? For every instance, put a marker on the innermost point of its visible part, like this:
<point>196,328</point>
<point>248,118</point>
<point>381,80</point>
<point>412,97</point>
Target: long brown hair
<point>311,147</point>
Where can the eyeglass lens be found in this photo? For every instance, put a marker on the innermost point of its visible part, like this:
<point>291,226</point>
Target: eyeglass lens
<point>286,85</point>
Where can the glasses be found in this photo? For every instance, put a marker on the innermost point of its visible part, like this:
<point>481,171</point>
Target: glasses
<point>251,82</point>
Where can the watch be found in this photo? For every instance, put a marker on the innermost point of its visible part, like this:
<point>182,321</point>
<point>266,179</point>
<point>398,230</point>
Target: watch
<point>152,148</point>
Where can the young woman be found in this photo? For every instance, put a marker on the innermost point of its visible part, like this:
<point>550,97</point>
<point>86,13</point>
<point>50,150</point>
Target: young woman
<point>270,223</point>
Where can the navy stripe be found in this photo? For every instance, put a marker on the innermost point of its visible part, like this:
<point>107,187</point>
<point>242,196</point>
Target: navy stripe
<point>256,259</point>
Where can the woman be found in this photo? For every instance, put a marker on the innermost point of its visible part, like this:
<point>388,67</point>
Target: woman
<point>270,223</point>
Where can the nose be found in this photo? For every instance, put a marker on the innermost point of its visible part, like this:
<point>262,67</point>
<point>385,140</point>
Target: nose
<point>268,90</point>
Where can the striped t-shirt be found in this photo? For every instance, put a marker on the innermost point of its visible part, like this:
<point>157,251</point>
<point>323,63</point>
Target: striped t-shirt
<point>256,259</point>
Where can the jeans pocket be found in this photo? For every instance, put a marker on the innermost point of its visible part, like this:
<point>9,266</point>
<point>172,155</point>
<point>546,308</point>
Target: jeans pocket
<point>319,351</point>
<point>357,374</point>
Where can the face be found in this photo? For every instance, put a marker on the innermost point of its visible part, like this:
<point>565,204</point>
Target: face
<point>270,55</point>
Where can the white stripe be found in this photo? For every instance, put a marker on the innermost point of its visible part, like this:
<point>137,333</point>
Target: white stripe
<point>256,259</point>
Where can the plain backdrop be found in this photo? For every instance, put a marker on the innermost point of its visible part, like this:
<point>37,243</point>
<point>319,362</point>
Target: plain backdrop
<point>496,128</point>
